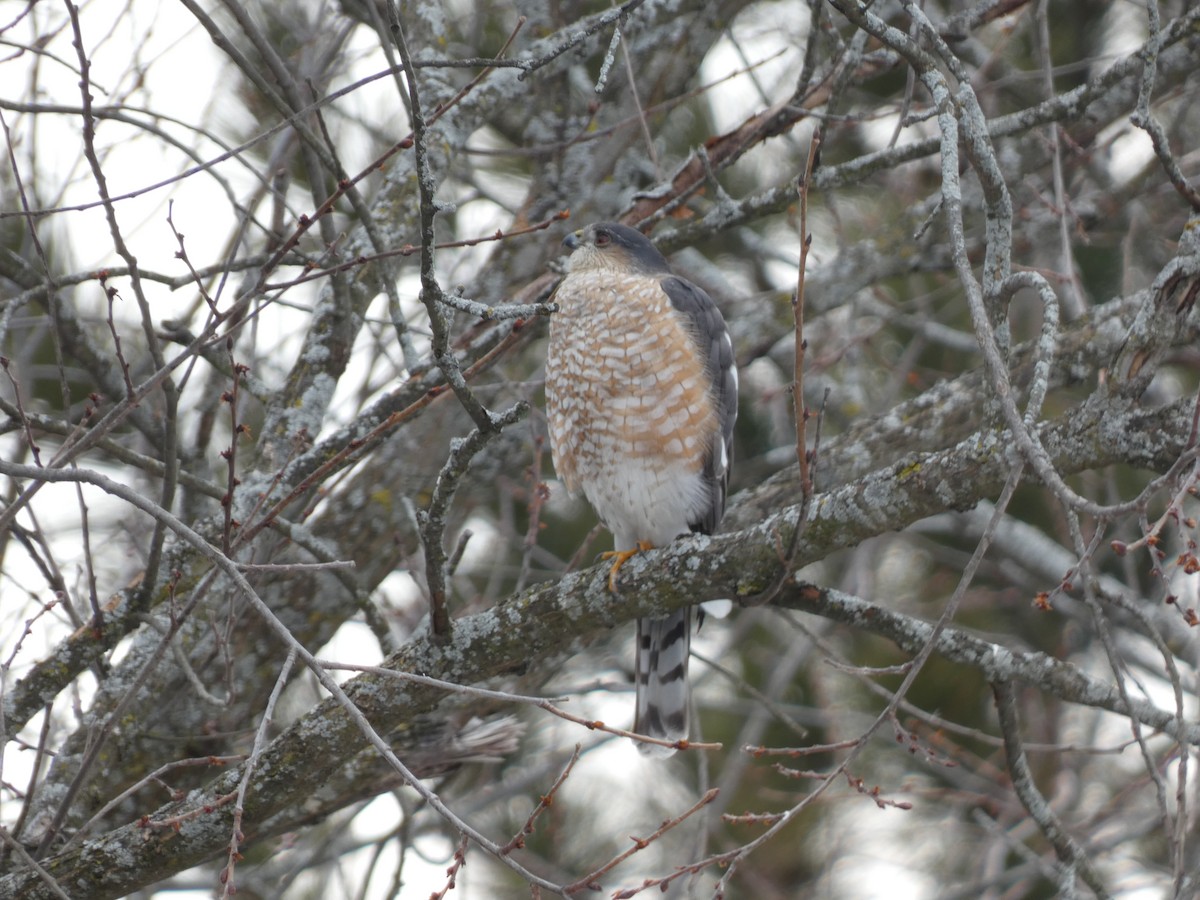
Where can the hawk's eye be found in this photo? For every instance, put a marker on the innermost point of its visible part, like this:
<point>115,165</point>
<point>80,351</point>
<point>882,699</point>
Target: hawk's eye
<point>603,238</point>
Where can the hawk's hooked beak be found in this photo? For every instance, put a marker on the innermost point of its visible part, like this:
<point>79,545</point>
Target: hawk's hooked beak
<point>571,241</point>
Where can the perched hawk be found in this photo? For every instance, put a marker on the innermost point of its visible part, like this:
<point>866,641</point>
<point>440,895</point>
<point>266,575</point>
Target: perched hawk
<point>641,397</point>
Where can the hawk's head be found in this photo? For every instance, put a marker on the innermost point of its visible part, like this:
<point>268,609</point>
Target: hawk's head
<point>610,245</point>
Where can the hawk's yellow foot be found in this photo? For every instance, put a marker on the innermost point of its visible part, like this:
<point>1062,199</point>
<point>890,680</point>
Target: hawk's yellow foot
<point>620,557</point>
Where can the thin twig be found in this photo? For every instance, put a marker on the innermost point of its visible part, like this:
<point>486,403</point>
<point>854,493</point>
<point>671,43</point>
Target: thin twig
<point>433,518</point>
<point>544,703</point>
<point>236,430</point>
<point>468,690</point>
<point>1143,118</point>
<point>799,344</point>
<point>1077,305</point>
<point>539,493</point>
<point>544,802</point>
<point>459,860</point>
<point>596,725</point>
<point>590,882</point>
<point>154,777</point>
<point>260,742</point>
<point>1068,850</point>
<point>804,459</point>
<point>27,860</point>
<point>30,441</point>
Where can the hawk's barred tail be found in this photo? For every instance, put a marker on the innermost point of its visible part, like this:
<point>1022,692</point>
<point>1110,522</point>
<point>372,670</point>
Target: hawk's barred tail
<point>662,684</point>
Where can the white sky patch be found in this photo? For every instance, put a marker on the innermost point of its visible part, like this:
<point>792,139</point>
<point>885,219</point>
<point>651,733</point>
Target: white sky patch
<point>770,38</point>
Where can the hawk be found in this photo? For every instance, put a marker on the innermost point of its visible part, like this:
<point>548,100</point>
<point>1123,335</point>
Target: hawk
<point>641,399</point>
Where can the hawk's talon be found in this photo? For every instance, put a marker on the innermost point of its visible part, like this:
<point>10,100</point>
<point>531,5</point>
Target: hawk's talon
<point>621,557</point>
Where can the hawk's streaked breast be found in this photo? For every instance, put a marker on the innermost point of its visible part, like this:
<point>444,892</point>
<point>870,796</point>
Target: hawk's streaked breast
<point>630,405</point>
